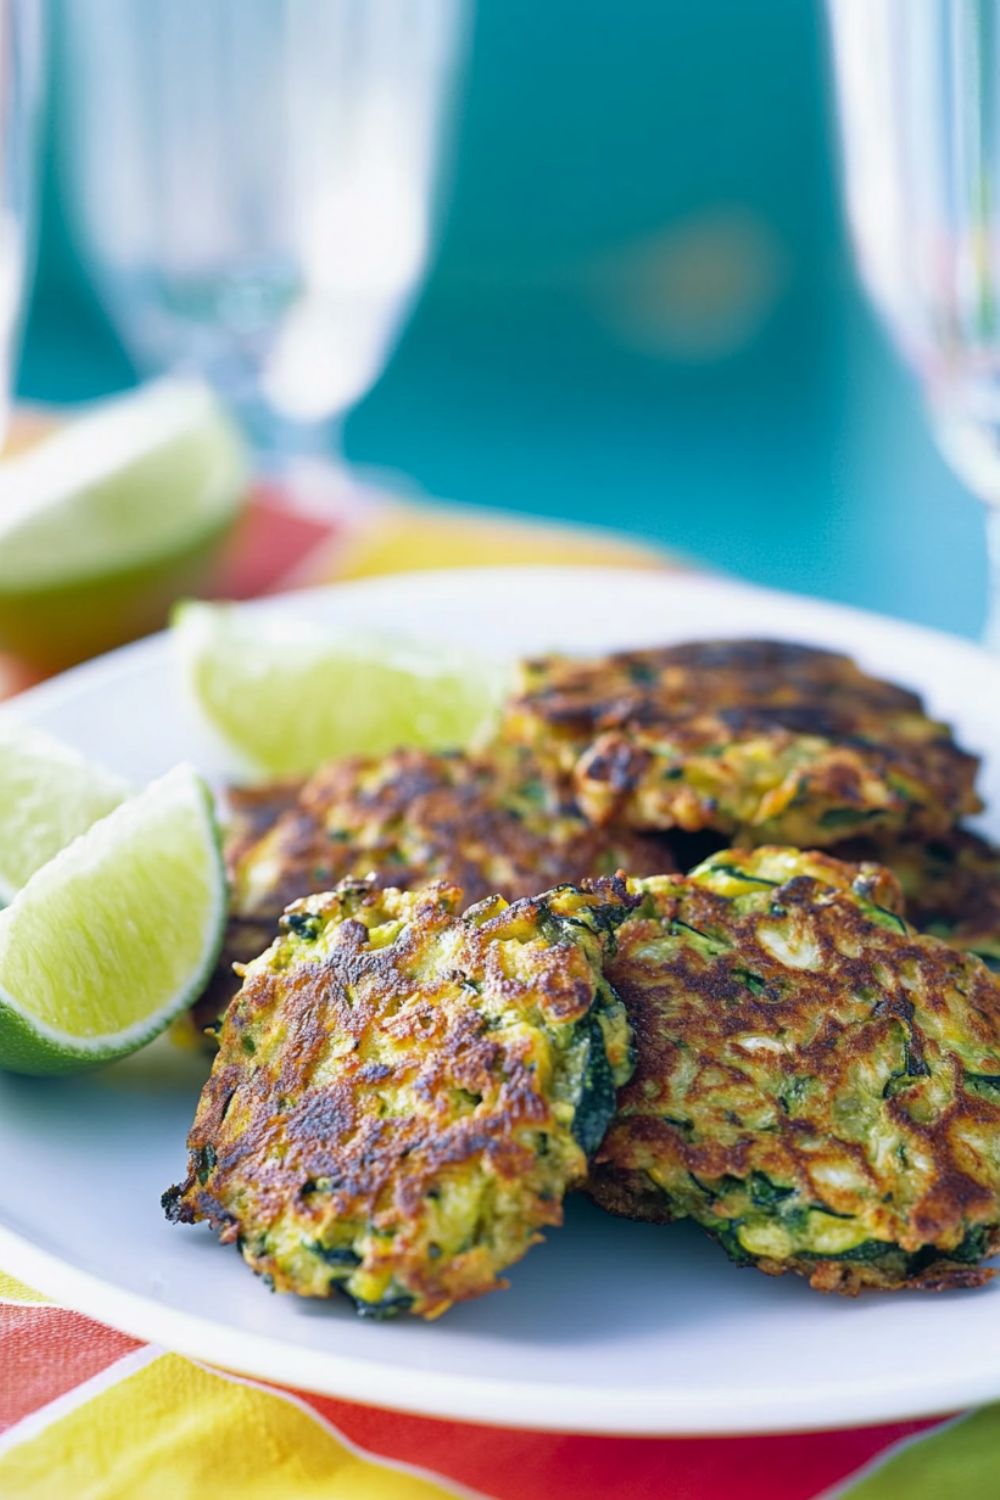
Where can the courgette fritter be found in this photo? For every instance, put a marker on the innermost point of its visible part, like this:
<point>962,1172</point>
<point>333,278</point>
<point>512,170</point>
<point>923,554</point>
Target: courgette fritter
<point>251,811</point>
<point>816,1084</point>
<point>498,822</point>
<point>403,1094</point>
<point>951,884</point>
<point>762,741</point>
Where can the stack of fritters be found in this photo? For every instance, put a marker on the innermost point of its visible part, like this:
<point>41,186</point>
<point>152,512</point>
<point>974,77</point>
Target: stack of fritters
<point>761,742</point>
<point>498,822</point>
<point>403,1094</point>
<point>501,822</point>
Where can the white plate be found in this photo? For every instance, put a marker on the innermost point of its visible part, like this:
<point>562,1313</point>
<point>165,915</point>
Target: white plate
<point>609,1326</point>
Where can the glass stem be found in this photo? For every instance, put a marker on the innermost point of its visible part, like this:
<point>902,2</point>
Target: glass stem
<point>281,442</point>
<point>991,634</point>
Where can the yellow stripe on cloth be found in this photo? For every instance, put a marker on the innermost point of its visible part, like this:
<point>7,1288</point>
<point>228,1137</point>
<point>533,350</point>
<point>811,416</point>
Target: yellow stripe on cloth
<point>396,537</point>
<point>12,1290</point>
<point>174,1431</point>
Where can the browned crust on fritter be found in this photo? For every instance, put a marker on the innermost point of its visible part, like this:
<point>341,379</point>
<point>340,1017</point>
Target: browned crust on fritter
<point>627,1193</point>
<point>251,810</point>
<point>616,777</point>
<point>717,1060</point>
<point>941,1275</point>
<point>327,1132</point>
<point>413,816</point>
<point>951,884</point>
<point>577,697</point>
<point>626,725</point>
<point>242,942</point>
<point>630,1195</point>
<point>408,818</point>
<point>282,1111</point>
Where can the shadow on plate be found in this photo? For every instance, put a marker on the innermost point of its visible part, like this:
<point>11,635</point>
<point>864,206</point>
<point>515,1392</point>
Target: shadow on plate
<point>603,1279</point>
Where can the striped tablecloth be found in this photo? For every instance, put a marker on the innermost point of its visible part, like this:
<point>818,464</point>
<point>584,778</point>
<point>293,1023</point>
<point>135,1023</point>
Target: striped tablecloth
<point>87,1413</point>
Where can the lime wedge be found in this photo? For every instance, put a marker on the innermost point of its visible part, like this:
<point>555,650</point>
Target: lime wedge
<point>115,935</point>
<point>48,795</point>
<point>106,520</point>
<point>284,695</point>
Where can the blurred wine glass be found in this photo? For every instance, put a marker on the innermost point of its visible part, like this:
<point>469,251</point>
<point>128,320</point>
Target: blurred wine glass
<point>20,102</point>
<point>252,186</point>
<point>918,90</point>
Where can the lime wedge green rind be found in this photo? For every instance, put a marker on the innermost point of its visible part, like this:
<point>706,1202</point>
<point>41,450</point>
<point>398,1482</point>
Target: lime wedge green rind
<point>49,794</point>
<point>115,935</point>
<point>282,695</point>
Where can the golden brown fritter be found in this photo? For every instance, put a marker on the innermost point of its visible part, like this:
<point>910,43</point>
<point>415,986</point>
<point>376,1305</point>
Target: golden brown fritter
<point>198,1028</point>
<point>492,823</point>
<point>951,884</point>
<point>816,1084</point>
<point>250,813</point>
<point>403,1094</point>
<point>762,741</point>
<point>496,823</point>
<point>251,810</point>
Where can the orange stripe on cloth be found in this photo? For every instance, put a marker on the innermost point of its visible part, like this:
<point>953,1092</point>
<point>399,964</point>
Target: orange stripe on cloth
<point>47,1351</point>
<point>510,1465</point>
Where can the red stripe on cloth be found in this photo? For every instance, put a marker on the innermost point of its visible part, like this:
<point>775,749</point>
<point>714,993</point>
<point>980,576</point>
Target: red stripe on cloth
<point>510,1465</point>
<point>46,1352</point>
<point>271,539</point>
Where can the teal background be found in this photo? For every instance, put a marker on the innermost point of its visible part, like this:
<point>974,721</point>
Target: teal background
<point>642,312</point>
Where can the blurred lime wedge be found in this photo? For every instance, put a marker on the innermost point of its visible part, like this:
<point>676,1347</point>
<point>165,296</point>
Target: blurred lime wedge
<point>115,935</point>
<point>105,521</point>
<point>284,695</point>
<point>48,795</point>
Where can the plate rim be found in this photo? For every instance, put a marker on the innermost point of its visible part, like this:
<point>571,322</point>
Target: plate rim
<point>536,1406</point>
<point>133,654</point>
<point>529,1405</point>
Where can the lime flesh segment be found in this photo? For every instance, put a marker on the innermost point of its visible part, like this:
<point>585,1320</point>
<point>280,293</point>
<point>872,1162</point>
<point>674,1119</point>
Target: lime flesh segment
<point>115,935</point>
<point>284,695</point>
<point>138,477</point>
<point>48,795</point>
